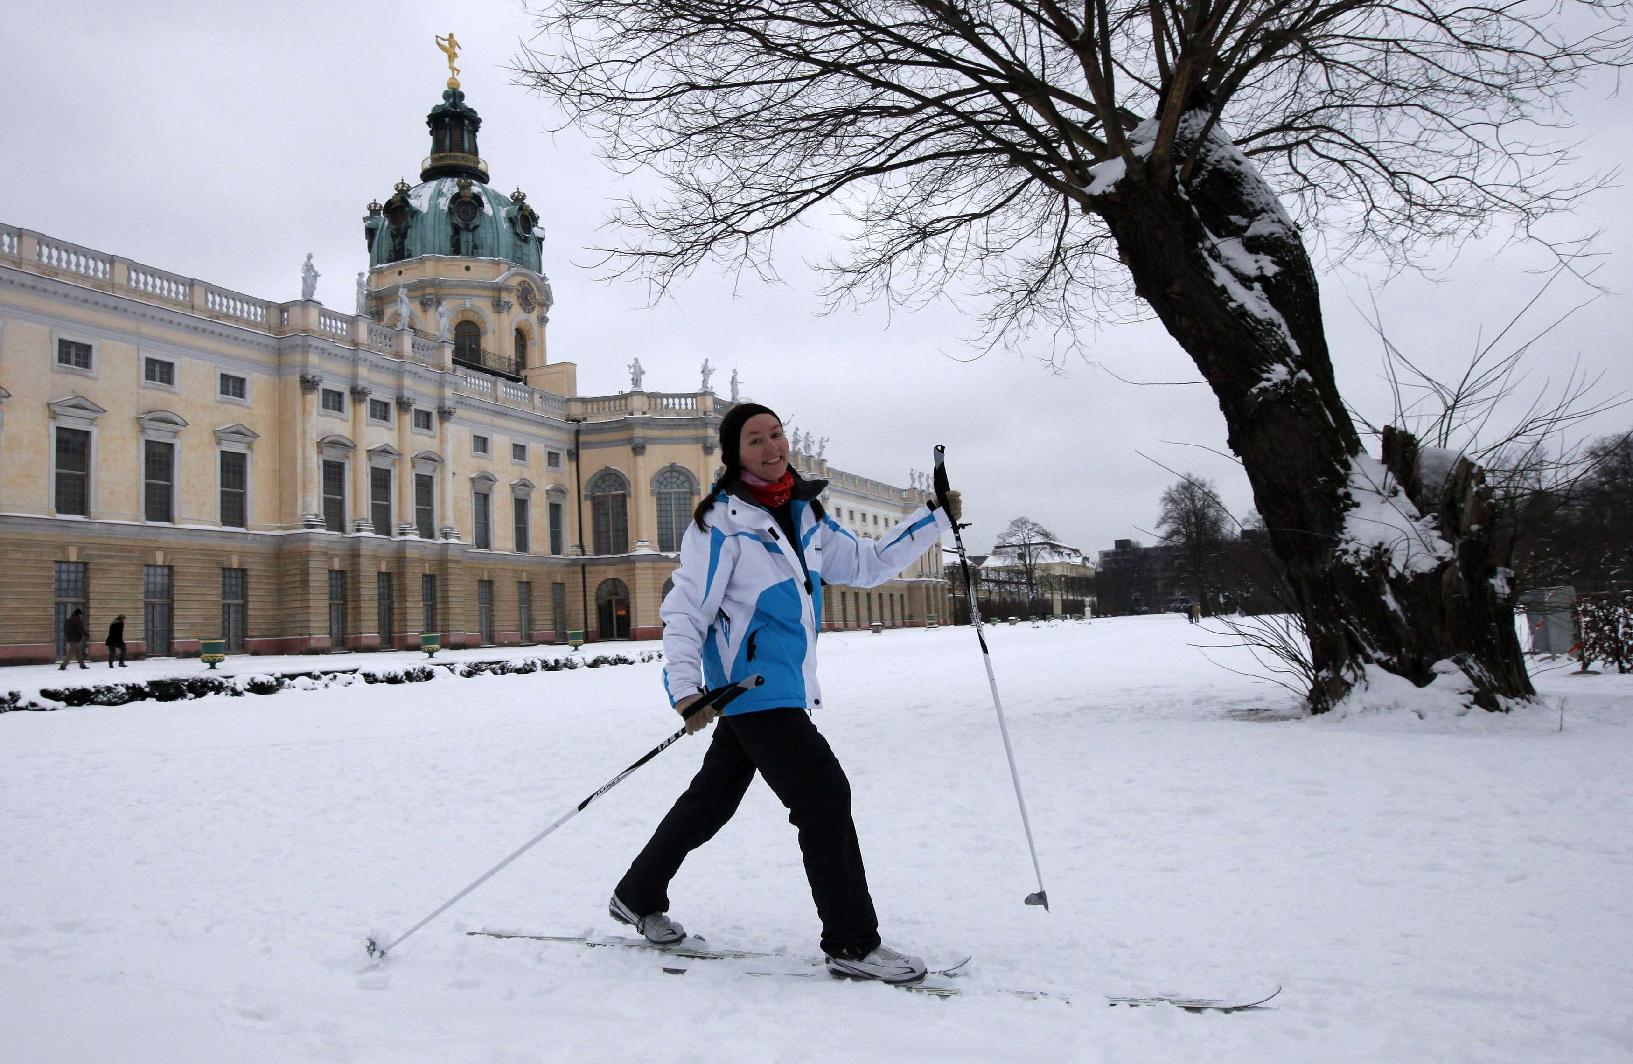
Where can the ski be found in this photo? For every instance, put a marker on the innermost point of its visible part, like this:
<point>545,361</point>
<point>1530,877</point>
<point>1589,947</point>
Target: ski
<point>692,948</point>
<point>936,986</point>
<point>1196,1004</point>
<point>937,983</point>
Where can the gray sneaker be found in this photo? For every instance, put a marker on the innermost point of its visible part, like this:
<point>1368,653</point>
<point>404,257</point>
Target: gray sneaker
<point>884,964</point>
<point>656,928</point>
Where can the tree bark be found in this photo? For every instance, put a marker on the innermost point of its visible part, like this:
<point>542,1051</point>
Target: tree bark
<point>1228,275</point>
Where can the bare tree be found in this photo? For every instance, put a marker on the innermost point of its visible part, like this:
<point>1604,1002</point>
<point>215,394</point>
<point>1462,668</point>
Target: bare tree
<point>1022,548</point>
<point>1055,157</point>
<point>1193,519</point>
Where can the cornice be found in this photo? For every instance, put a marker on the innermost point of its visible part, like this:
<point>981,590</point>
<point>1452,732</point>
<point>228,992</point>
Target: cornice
<point>130,309</point>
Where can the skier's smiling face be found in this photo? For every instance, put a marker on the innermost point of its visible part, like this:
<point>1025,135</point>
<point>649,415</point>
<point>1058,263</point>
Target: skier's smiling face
<point>763,450</point>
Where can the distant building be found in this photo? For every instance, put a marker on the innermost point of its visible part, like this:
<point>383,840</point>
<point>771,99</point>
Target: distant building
<point>290,477</point>
<point>1138,579</point>
<point>1043,577</point>
<point>1039,579</point>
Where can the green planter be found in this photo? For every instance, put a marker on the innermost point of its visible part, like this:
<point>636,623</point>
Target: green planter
<point>429,643</point>
<point>212,651</point>
<point>575,639</point>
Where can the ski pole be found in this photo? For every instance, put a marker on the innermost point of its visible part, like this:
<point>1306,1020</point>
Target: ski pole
<point>718,698</point>
<point>1042,896</point>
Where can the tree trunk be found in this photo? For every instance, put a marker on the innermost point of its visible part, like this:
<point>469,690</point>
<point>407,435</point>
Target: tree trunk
<point>1393,569</point>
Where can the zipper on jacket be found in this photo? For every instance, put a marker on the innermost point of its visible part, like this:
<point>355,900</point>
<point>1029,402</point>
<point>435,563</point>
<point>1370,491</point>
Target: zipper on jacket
<point>799,554</point>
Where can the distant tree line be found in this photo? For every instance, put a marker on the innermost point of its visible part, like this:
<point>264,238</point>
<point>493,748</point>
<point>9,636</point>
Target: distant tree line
<point>1573,530</point>
<point>1578,532</point>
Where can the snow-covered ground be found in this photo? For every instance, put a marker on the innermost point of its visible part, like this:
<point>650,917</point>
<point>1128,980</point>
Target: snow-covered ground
<point>194,881</point>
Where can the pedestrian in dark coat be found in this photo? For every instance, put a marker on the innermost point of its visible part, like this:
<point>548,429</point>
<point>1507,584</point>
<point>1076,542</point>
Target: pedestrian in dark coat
<point>116,641</point>
<point>73,637</point>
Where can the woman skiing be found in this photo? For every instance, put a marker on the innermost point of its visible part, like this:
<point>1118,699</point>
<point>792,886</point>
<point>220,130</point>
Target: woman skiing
<point>748,599</point>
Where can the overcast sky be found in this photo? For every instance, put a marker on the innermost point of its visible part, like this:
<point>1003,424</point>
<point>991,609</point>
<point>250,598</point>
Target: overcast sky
<point>225,141</point>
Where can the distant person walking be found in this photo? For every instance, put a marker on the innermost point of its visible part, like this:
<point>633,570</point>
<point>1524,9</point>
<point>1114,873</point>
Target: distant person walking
<point>73,637</point>
<point>1196,612</point>
<point>116,641</point>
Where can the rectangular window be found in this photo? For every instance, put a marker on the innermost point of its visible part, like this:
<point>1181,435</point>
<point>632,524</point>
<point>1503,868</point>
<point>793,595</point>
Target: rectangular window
<point>234,598</point>
<point>158,480</point>
<point>424,507</point>
<point>384,599</point>
<point>428,602</point>
<point>73,471</point>
<point>159,371</point>
<point>558,611</point>
<point>557,535</point>
<point>333,400</point>
<point>484,611</point>
<point>156,607</point>
<point>74,354</point>
<point>479,444</point>
<point>422,420</point>
<point>337,609</point>
<point>673,513</point>
<point>380,499</point>
<point>71,587</point>
<point>379,410</point>
<point>518,452</point>
<point>484,522</point>
<point>610,523</point>
<point>235,489</point>
<point>552,459</point>
<point>520,507</point>
<point>334,496</point>
<point>524,610</point>
<point>233,386</point>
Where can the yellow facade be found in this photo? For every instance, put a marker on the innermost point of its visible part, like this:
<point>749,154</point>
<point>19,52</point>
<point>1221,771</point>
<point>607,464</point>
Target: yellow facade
<point>141,362</point>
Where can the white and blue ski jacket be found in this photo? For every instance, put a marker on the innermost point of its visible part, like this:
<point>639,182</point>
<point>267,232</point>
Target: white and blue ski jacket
<point>742,602</point>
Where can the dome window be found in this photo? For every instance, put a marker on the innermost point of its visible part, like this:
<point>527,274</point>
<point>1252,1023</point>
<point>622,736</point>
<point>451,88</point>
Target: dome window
<point>468,343</point>
<point>521,348</point>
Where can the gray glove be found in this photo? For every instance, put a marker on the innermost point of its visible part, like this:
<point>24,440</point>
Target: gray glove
<point>955,505</point>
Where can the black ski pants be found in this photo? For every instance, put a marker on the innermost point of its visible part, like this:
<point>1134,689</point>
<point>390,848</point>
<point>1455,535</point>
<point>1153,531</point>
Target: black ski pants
<point>784,746</point>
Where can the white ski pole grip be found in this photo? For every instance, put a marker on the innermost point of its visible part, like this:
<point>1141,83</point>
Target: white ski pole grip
<point>1041,897</point>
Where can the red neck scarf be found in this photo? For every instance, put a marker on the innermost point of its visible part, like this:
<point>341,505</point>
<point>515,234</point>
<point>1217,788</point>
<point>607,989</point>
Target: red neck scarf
<point>769,493</point>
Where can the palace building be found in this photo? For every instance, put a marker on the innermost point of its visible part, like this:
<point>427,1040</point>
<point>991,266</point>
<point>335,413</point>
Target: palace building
<point>292,478</point>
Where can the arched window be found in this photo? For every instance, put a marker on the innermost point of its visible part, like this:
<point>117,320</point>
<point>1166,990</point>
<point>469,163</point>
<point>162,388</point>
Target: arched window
<point>521,349</point>
<point>468,342</point>
<point>612,609</point>
<point>676,492</point>
<point>609,512</point>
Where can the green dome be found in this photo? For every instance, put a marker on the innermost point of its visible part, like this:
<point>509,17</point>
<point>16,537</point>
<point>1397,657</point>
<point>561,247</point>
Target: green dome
<point>453,216</point>
<point>452,211</point>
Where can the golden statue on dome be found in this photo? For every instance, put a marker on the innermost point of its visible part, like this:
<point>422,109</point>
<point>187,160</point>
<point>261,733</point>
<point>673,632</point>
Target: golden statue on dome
<point>449,46</point>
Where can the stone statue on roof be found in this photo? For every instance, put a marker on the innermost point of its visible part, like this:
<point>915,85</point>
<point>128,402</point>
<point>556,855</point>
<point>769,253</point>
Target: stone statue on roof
<point>636,374</point>
<point>362,294</point>
<point>402,307</point>
<point>734,384</point>
<point>708,371</point>
<point>309,278</point>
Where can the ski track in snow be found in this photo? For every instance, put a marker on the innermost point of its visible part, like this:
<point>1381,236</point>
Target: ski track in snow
<point>194,881</point>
